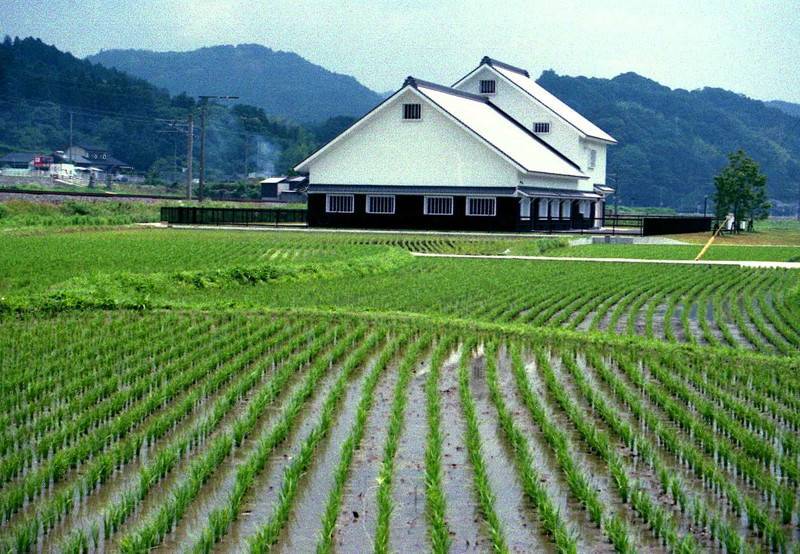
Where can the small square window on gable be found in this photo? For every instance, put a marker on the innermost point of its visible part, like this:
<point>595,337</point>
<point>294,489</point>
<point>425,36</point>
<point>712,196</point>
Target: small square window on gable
<point>412,112</point>
<point>541,127</point>
<point>488,86</point>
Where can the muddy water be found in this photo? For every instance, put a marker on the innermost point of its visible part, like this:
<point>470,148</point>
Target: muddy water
<point>597,313</point>
<point>72,476</point>
<point>462,510</point>
<point>93,508</point>
<point>647,480</point>
<point>659,322</point>
<point>590,538</point>
<point>692,482</point>
<point>355,527</point>
<point>522,528</point>
<point>697,311</point>
<point>594,464</point>
<point>408,524</point>
<point>257,504</point>
<point>162,491</point>
<point>305,524</point>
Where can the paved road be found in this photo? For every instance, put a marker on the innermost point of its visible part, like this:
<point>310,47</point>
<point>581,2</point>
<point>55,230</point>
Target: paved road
<point>789,265</point>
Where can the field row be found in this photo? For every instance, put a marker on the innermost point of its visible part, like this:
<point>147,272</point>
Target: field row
<point>752,309</point>
<point>240,432</point>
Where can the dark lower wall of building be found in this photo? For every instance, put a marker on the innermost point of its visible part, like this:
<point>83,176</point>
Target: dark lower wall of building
<point>409,214</point>
<point>675,225</point>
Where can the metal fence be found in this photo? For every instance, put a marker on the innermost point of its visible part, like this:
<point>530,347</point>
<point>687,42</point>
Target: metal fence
<point>648,225</point>
<point>232,216</point>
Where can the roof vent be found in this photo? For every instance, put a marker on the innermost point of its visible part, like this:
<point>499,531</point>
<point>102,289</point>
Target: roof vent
<point>410,81</point>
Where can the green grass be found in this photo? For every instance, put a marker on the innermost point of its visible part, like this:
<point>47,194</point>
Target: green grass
<point>671,390</point>
<point>681,252</point>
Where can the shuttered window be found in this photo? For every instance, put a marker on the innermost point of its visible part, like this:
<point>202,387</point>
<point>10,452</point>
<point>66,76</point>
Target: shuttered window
<point>340,204</point>
<point>592,158</point>
<point>481,206</point>
<point>412,112</point>
<point>380,204</point>
<point>438,205</point>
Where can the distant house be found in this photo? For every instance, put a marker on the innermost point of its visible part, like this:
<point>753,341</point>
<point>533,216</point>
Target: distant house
<point>495,152</point>
<point>93,156</point>
<point>284,189</point>
<point>26,160</point>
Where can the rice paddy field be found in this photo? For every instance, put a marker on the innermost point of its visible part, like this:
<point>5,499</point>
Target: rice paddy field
<point>210,391</point>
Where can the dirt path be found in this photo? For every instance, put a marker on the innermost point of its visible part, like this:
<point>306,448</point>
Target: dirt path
<point>759,264</point>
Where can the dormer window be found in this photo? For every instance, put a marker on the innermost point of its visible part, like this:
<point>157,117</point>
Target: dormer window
<point>541,127</point>
<point>488,86</point>
<point>412,112</point>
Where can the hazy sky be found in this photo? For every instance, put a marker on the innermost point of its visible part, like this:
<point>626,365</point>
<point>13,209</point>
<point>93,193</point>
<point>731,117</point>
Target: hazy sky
<point>748,46</point>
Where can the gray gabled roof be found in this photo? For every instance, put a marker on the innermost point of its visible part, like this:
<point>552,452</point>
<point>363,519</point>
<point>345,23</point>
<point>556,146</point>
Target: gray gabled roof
<point>20,157</point>
<point>521,79</point>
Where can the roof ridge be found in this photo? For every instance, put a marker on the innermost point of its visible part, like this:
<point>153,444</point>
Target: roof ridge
<point>539,139</point>
<point>442,88</point>
<point>497,63</point>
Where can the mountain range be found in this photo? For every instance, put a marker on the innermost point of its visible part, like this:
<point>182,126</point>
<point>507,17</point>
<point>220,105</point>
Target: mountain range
<point>282,83</point>
<point>671,142</point>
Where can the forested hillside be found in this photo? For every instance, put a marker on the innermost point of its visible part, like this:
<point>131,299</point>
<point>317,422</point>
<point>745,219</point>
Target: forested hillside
<point>41,87</point>
<point>672,142</point>
<point>282,83</point>
<point>786,107</point>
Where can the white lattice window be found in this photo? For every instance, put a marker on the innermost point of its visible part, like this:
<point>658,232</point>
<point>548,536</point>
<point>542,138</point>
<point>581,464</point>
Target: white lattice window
<point>481,206</point>
<point>380,204</point>
<point>412,112</point>
<point>438,205</point>
<point>488,86</point>
<point>541,127</point>
<point>339,204</point>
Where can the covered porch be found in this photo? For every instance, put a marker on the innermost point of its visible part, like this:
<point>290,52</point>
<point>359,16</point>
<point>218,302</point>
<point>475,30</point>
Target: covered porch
<point>559,210</point>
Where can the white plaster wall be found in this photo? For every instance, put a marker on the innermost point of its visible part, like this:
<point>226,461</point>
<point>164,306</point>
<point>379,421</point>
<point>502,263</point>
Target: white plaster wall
<point>526,110</point>
<point>385,150</point>
<point>597,175</point>
<point>519,105</point>
<point>544,181</point>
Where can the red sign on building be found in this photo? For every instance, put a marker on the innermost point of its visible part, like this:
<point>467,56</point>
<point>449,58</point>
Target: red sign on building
<point>42,161</point>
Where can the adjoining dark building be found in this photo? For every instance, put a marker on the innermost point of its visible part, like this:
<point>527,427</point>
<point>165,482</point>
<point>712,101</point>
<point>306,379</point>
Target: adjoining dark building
<point>285,189</point>
<point>496,152</point>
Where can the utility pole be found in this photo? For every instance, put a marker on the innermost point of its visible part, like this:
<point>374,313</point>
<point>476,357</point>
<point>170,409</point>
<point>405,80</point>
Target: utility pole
<point>186,128</point>
<point>189,149</point>
<point>246,160</point>
<point>71,113</point>
<point>203,113</point>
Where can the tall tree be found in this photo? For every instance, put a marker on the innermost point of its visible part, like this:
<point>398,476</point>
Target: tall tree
<point>741,189</point>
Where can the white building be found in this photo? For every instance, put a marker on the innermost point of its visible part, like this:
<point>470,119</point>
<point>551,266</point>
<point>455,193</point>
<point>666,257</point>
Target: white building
<point>494,152</point>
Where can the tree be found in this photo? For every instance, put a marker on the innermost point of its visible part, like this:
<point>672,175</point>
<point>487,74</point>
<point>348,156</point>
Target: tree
<point>741,190</point>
